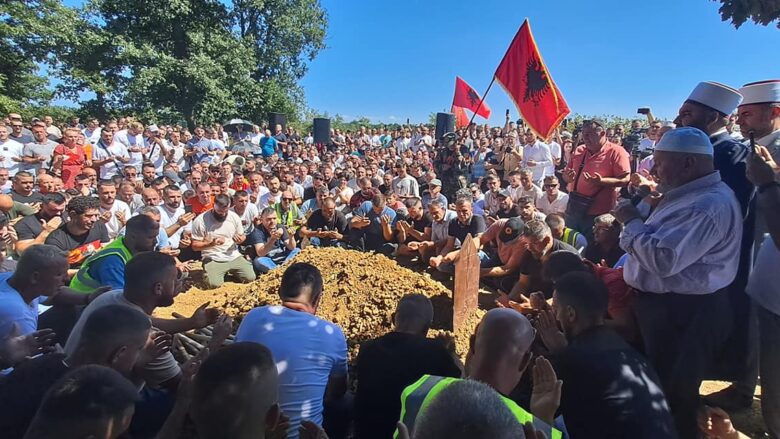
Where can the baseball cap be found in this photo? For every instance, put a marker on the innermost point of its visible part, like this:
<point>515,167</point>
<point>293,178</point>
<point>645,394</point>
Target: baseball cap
<point>511,230</point>
<point>504,193</point>
<point>435,182</point>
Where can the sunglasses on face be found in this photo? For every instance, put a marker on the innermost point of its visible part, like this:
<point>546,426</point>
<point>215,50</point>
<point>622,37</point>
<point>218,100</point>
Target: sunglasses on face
<point>550,186</point>
<point>287,199</point>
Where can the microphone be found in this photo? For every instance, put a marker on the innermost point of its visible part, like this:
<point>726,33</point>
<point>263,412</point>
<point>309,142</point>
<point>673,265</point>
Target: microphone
<point>641,192</point>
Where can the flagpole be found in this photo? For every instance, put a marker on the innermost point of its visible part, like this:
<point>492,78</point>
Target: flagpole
<point>479,106</point>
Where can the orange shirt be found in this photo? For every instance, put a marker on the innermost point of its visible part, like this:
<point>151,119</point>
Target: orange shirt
<point>198,207</point>
<point>611,161</point>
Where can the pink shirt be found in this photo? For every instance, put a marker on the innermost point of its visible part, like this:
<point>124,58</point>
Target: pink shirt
<point>611,161</point>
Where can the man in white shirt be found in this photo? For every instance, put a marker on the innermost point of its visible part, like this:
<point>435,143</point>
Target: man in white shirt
<point>92,131</point>
<point>273,196</point>
<point>173,218</point>
<point>11,152</point>
<point>536,157</point>
<point>114,213</point>
<point>522,185</point>
<point>110,156</point>
<point>404,185</point>
<point>555,152</point>
<point>680,261</point>
<point>553,200</point>
<point>132,139</point>
<point>246,211</point>
<point>424,141</point>
<point>176,151</point>
<point>156,147</point>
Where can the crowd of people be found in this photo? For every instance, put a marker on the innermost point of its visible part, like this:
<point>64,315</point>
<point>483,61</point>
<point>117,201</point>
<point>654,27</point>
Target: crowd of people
<point>629,264</point>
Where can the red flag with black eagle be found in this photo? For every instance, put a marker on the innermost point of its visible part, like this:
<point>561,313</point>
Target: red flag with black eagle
<point>466,97</point>
<point>461,118</point>
<point>525,78</point>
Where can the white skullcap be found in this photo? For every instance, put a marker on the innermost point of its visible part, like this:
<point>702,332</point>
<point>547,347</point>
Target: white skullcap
<point>716,96</point>
<point>153,128</point>
<point>687,139</point>
<point>763,92</point>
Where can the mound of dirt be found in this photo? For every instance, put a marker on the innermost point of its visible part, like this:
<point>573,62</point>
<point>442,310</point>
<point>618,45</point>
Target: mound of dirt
<point>361,291</point>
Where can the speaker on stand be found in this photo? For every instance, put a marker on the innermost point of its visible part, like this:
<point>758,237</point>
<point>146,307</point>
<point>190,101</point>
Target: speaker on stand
<point>445,123</point>
<point>275,119</point>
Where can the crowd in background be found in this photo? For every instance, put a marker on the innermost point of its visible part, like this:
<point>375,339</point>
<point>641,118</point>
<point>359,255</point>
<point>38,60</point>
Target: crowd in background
<point>624,255</point>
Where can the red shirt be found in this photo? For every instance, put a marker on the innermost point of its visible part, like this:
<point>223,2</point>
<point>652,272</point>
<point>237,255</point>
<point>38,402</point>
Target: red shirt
<point>198,207</point>
<point>611,161</point>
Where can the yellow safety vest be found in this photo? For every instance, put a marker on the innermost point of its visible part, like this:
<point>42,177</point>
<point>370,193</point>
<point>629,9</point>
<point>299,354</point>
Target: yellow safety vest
<point>570,236</point>
<point>416,397</point>
<point>82,281</point>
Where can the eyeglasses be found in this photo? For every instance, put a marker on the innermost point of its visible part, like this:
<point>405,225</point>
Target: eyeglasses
<point>287,199</point>
<point>549,186</point>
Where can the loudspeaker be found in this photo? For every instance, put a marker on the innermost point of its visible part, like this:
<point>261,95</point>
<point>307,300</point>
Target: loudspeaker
<point>275,119</point>
<point>445,123</point>
<point>321,130</point>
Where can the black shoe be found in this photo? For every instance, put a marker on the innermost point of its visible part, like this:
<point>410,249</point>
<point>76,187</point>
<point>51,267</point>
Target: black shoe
<point>729,399</point>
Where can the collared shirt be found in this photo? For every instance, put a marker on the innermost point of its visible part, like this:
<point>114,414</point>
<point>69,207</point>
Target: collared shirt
<point>540,153</point>
<point>772,142</point>
<point>558,205</point>
<point>610,161</point>
<point>690,244</point>
<point>440,230</point>
<point>491,203</point>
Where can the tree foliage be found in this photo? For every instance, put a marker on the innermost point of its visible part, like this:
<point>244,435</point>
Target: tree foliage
<point>762,12</point>
<point>191,61</point>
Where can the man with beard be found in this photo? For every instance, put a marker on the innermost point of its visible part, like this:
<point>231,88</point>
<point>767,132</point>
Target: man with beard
<point>273,196</point>
<point>114,213</point>
<point>132,138</point>
<point>366,193</point>
<point>217,234</point>
<point>506,207</point>
<point>173,218</point>
<point>109,155</point>
<point>107,266</point>
<point>707,108</point>
<point>326,227</point>
<point>34,229</point>
<point>275,244</point>
<point>611,390</point>
<point>84,233</point>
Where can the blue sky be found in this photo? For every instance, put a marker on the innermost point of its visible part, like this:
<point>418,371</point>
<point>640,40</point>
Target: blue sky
<point>393,60</point>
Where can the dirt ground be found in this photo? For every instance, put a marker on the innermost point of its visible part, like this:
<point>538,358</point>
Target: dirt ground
<point>360,293</point>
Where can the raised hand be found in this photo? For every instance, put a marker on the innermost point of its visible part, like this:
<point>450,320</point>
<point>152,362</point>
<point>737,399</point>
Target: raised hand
<point>548,331</point>
<point>52,225</point>
<point>158,343</point>
<point>546,393</point>
<point>15,348</point>
<point>222,329</point>
<point>204,316</point>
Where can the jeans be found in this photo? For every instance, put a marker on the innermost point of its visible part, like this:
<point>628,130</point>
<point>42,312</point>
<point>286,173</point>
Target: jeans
<point>321,242</point>
<point>264,264</point>
<point>769,366</point>
<point>449,267</point>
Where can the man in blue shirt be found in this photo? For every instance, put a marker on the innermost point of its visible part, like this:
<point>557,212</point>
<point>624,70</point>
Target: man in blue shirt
<point>200,146</point>
<point>268,144</point>
<point>372,225</point>
<point>310,353</point>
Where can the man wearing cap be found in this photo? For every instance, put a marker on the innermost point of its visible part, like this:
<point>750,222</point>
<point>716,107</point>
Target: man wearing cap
<point>681,261</point>
<point>506,207</point>
<point>433,193</point>
<point>708,108</point>
<point>500,269</point>
<point>595,172</point>
<point>760,113</point>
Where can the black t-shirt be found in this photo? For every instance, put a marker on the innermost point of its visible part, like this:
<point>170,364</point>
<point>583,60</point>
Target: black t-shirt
<point>22,392</point>
<point>595,254</point>
<point>609,391</point>
<point>29,227</point>
<point>475,226</point>
<point>65,241</point>
<point>511,213</point>
<point>384,367</point>
<point>309,193</point>
<point>35,197</point>
<point>419,225</point>
<point>318,221</point>
<point>532,267</point>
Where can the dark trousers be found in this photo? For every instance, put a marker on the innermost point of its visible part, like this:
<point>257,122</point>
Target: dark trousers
<point>367,242</point>
<point>682,334</point>
<point>769,327</point>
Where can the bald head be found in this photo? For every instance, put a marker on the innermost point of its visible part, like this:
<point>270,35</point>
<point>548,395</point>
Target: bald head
<point>500,350</point>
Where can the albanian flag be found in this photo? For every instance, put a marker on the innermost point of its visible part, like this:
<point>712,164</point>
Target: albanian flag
<point>466,97</point>
<point>525,78</point>
<point>461,118</point>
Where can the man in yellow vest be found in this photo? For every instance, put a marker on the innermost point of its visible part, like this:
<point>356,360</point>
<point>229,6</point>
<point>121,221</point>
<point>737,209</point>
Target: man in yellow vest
<point>107,266</point>
<point>499,356</point>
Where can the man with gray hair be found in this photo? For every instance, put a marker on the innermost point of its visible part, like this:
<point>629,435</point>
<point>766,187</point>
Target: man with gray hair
<point>680,261</point>
<point>605,245</point>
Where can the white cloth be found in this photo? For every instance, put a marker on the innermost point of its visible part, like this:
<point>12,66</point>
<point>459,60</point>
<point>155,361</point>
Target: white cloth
<point>131,141</point>
<point>555,153</point>
<point>8,150</point>
<point>764,283</point>
<point>205,224</point>
<point>689,244</point>
<point>406,187</point>
<point>268,199</point>
<point>113,225</point>
<point>646,144</point>
<point>558,205</point>
<point>248,217</point>
<point>169,217</point>
<point>92,136</point>
<point>540,154</point>
<point>517,192</point>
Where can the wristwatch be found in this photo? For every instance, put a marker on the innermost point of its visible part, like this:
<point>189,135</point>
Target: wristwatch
<point>766,186</point>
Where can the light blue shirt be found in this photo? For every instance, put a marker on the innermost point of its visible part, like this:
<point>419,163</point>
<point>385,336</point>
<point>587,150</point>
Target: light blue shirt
<point>307,350</point>
<point>689,244</point>
<point>13,309</point>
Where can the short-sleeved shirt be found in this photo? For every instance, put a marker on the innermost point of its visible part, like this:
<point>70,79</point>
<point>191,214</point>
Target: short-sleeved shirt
<point>611,161</point>
<point>375,228</point>
<point>419,225</point>
<point>67,242</point>
<point>34,149</point>
<point>248,218</point>
<point>29,227</point>
<point>206,224</point>
<point>280,250</point>
<point>440,230</point>
<point>198,207</point>
<point>308,351</point>
<point>34,197</point>
<point>13,309</point>
<point>318,221</point>
<point>532,268</point>
<point>159,370</point>
<point>475,226</point>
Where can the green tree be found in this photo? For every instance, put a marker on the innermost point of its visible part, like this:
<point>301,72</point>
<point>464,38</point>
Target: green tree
<point>29,31</point>
<point>738,12</point>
